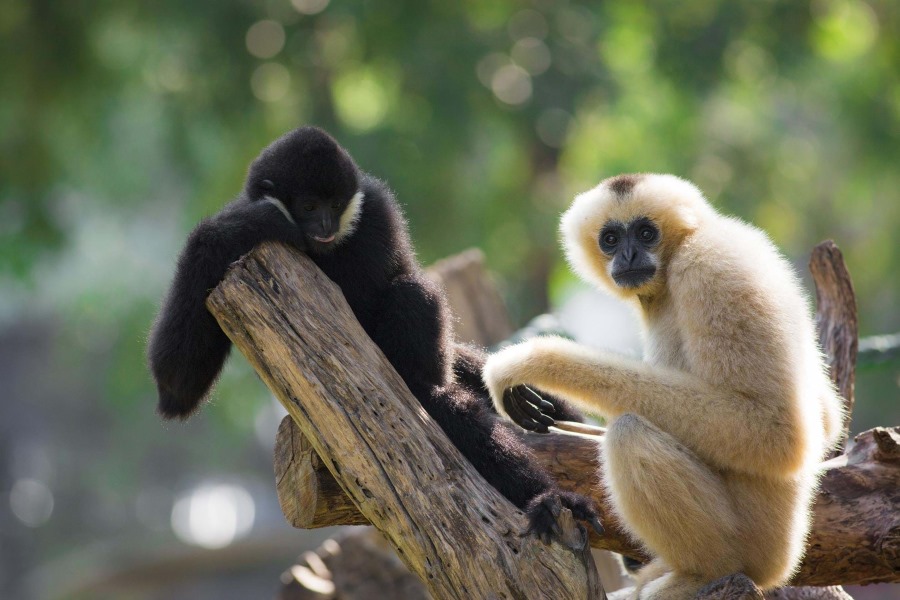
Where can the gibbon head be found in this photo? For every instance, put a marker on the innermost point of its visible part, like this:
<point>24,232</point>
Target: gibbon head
<point>621,234</point>
<point>313,181</point>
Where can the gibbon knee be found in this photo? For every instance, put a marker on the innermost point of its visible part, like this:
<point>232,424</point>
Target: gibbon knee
<point>670,499</point>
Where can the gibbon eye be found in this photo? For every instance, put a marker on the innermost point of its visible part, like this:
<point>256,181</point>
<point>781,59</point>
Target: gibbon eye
<point>336,205</point>
<point>647,234</point>
<point>309,207</point>
<point>610,239</point>
<point>267,185</point>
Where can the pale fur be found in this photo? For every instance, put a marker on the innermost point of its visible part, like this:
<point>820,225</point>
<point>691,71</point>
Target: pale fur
<point>350,217</point>
<point>711,458</point>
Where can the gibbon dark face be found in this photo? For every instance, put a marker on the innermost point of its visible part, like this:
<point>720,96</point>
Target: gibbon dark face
<point>313,181</point>
<point>631,248</point>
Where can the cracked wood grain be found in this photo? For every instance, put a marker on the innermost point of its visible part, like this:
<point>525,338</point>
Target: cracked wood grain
<point>377,443</point>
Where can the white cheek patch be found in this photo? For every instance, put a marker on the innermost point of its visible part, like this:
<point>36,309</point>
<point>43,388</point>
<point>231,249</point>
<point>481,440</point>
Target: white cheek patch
<point>350,217</point>
<point>280,206</point>
<point>609,269</point>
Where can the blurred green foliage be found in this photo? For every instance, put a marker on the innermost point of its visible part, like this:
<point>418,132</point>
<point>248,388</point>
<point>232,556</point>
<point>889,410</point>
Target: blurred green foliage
<point>486,117</point>
<point>122,123</point>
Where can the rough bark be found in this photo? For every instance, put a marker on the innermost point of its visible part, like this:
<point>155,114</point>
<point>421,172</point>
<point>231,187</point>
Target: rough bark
<point>832,592</point>
<point>837,322</point>
<point>355,566</point>
<point>480,312</point>
<point>405,477</point>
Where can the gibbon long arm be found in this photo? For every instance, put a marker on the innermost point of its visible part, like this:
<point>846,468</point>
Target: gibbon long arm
<point>187,349</point>
<point>614,385</point>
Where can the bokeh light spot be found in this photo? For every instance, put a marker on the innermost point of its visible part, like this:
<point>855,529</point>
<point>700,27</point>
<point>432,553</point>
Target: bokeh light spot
<point>845,29</point>
<point>31,502</point>
<point>213,516</point>
<point>628,50</point>
<point>751,63</point>
<point>360,99</point>
<point>270,82</point>
<point>309,7</point>
<point>511,84</point>
<point>532,55</point>
<point>265,39</point>
<point>489,65</point>
<point>576,24</point>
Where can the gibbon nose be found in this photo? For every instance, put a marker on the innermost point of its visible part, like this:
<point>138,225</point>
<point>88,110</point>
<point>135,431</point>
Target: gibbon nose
<point>324,232</point>
<point>630,256</point>
<point>326,224</point>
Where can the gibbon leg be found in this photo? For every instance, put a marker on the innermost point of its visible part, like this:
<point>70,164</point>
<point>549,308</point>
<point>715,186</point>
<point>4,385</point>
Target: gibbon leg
<point>673,503</point>
<point>652,571</point>
<point>672,586</point>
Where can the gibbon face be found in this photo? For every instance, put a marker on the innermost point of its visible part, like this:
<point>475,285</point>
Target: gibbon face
<point>621,234</point>
<point>313,181</point>
<point>631,251</point>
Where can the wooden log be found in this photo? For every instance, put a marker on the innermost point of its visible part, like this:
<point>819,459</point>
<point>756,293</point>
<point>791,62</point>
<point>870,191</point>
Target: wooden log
<point>837,322</point>
<point>856,517</point>
<point>480,312</point>
<point>382,449</point>
<point>832,592</point>
<point>355,566</point>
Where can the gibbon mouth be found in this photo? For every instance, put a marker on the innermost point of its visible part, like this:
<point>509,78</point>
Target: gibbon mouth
<point>324,240</point>
<point>634,277</point>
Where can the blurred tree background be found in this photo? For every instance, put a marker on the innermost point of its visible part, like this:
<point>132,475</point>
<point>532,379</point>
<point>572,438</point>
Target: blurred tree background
<point>123,123</point>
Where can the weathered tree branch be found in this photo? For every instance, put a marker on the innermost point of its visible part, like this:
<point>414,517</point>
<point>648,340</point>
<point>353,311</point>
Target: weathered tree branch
<point>355,565</point>
<point>480,312</point>
<point>403,474</point>
<point>837,322</point>
<point>856,517</point>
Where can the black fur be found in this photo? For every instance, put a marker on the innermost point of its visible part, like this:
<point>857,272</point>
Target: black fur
<point>403,312</point>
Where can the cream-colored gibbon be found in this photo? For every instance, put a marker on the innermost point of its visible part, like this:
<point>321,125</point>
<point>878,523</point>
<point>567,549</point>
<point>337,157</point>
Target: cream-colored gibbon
<point>715,438</point>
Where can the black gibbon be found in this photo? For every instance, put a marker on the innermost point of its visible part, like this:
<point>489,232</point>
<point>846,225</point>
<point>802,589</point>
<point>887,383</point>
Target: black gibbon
<point>305,190</point>
<point>711,458</point>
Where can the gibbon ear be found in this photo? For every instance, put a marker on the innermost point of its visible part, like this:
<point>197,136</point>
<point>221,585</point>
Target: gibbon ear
<point>257,189</point>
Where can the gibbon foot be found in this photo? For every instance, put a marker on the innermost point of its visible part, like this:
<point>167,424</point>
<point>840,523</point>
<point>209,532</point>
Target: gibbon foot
<point>632,565</point>
<point>543,513</point>
<point>672,586</point>
<point>528,409</point>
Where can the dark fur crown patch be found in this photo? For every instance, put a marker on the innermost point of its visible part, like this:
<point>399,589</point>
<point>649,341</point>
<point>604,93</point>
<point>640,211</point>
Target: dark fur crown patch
<point>623,184</point>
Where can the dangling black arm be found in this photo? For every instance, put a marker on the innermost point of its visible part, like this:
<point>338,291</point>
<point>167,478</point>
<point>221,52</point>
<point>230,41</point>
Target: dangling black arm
<point>187,348</point>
